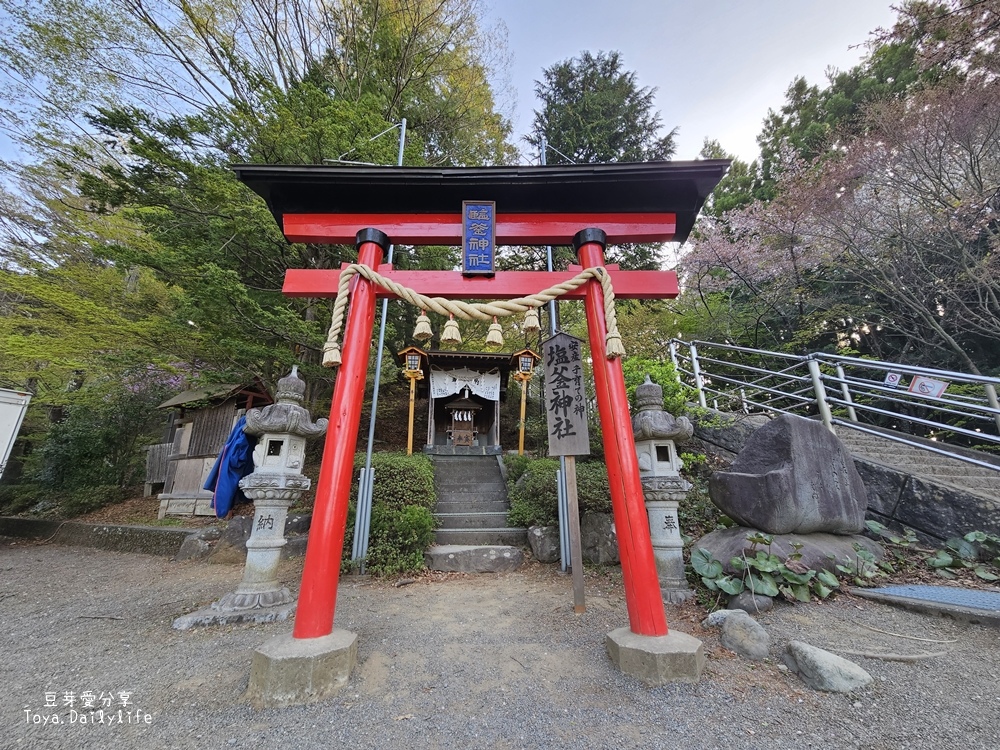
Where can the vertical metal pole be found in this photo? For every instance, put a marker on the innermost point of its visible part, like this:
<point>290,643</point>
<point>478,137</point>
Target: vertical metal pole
<point>820,390</point>
<point>321,573</point>
<point>851,414</point>
<point>642,585</point>
<point>363,515</point>
<point>672,348</point>
<point>564,561</point>
<point>576,553</point>
<point>564,550</point>
<point>564,546</point>
<point>696,370</point>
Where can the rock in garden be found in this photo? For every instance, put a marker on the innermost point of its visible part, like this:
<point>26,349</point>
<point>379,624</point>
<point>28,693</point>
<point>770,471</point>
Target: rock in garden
<point>544,543</point>
<point>819,551</point>
<point>718,617</point>
<point>792,476</point>
<point>193,548</point>
<point>751,602</point>
<point>744,635</point>
<point>822,670</point>
<point>598,540</point>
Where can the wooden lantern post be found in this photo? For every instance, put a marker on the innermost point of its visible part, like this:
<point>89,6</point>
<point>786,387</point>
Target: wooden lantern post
<point>412,361</point>
<point>524,367</point>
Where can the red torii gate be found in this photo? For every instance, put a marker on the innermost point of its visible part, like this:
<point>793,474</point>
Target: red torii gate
<point>588,206</point>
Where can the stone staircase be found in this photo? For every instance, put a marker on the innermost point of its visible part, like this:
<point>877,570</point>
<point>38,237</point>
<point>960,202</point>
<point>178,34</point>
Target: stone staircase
<point>932,466</point>
<point>473,534</point>
<point>936,496</point>
<point>472,502</point>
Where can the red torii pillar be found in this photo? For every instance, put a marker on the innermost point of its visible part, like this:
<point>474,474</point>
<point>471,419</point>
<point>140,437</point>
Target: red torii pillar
<point>318,593</point>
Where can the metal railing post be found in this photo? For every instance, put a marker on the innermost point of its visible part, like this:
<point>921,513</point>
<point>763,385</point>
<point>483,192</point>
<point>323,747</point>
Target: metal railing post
<point>672,348</point>
<point>820,390</point>
<point>851,414</point>
<point>696,370</point>
<point>991,396</point>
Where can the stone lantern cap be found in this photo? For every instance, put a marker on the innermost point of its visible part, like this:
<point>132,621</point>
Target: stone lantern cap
<point>287,415</point>
<point>651,422</point>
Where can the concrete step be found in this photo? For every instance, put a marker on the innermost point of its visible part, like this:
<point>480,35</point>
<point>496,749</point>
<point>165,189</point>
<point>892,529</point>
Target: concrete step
<point>471,520</point>
<point>504,536</point>
<point>448,462</point>
<point>471,506</point>
<point>472,497</point>
<point>468,488</point>
<point>473,558</point>
<point>927,468</point>
<point>984,483</point>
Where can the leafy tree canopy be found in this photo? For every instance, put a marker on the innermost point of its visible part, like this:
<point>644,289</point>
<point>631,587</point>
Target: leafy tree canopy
<point>594,111</point>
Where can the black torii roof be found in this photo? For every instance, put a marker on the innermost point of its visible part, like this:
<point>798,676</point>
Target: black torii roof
<point>680,187</point>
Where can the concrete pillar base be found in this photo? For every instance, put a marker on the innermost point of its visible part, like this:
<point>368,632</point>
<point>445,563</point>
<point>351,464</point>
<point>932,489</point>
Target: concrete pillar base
<point>656,660</point>
<point>290,672</point>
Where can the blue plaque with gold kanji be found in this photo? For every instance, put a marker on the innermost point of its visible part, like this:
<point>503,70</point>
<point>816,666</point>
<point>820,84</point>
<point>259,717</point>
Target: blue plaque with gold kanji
<point>478,237</point>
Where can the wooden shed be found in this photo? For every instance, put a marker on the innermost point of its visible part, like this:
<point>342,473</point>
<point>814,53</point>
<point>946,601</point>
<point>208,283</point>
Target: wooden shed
<point>200,423</point>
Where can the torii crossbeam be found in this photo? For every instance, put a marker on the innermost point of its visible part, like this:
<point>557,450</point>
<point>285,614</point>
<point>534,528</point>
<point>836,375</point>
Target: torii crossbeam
<point>587,206</point>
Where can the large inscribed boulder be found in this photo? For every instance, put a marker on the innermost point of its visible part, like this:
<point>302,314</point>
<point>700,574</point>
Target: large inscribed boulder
<point>793,476</point>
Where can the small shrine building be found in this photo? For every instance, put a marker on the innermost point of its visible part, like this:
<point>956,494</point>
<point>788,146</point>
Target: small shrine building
<point>464,391</point>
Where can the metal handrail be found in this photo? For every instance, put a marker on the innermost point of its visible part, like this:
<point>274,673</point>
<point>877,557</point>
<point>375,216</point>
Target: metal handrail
<point>868,402</point>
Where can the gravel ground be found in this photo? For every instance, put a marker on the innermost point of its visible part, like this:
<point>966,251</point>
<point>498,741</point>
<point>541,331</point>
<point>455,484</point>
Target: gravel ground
<point>490,661</point>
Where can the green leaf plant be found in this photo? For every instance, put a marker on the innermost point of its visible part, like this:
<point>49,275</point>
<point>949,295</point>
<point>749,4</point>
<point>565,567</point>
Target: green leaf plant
<point>758,570</point>
<point>976,551</point>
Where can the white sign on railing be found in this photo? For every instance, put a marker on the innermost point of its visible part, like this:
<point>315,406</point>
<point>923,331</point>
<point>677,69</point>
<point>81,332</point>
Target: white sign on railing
<point>892,379</point>
<point>924,386</point>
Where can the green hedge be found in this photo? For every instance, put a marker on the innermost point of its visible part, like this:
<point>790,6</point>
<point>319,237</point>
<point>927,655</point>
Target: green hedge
<point>534,499</point>
<point>402,525</point>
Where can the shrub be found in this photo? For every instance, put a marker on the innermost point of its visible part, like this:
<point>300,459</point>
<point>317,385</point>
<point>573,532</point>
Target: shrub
<point>400,480</point>
<point>99,441</point>
<point>402,525</point>
<point>86,499</point>
<point>592,487</point>
<point>534,497</point>
<point>663,373</point>
<point>398,539</point>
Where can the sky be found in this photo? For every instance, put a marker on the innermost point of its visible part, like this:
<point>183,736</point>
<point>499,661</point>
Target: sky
<point>717,65</point>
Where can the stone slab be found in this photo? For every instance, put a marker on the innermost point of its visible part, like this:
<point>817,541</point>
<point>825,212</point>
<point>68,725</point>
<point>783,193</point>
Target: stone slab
<point>819,551</point>
<point>932,507</point>
<point>208,617</point>
<point>975,615</point>
<point>656,660</point>
<point>470,558</point>
<point>289,672</point>
<point>147,540</point>
<point>884,486</point>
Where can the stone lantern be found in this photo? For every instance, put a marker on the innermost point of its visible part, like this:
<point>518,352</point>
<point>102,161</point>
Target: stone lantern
<point>656,434</point>
<point>276,484</point>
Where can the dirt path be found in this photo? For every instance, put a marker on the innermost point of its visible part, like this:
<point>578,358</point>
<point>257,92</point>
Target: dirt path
<point>457,662</point>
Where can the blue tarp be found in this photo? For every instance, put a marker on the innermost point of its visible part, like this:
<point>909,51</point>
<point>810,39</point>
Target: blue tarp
<point>234,462</point>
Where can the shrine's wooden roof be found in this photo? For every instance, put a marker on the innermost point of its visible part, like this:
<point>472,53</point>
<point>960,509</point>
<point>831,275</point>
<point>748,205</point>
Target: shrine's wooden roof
<point>446,359</point>
<point>679,187</point>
